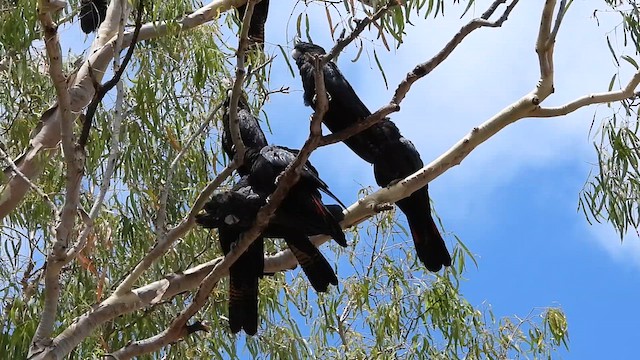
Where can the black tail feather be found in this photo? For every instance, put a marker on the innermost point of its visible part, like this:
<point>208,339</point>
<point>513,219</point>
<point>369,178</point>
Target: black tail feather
<point>243,282</point>
<point>258,20</point>
<point>243,302</point>
<point>313,263</point>
<point>333,196</point>
<point>429,244</point>
<point>331,221</point>
<point>336,212</point>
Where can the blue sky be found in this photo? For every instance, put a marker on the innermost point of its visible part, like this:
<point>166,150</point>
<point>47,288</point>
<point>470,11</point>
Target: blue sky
<point>513,201</point>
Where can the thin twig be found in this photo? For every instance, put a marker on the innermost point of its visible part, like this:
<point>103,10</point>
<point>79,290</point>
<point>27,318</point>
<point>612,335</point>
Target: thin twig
<point>161,218</point>
<point>361,25</point>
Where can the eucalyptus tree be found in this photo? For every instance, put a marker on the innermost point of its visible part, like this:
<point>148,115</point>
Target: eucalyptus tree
<point>101,256</point>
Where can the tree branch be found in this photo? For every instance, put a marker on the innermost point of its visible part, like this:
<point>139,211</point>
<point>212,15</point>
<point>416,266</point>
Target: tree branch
<point>81,90</point>
<point>361,25</point>
<point>427,67</point>
<point>597,98</point>
<point>234,124</point>
<point>106,87</point>
<point>360,126</point>
<point>56,257</point>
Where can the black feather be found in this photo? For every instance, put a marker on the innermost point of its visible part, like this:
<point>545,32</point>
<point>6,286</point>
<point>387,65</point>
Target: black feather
<point>393,156</point>
<point>92,14</point>
<point>258,20</point>
<point>238,208</point>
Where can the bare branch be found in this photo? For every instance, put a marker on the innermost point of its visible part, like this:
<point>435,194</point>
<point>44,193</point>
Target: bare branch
<point>597,98</point>
<point>427,67</point>
<point>234,124</point>
<point>360,126</point>
<point>562,9</point>
<point>152,344</point>
<point>361,25</point>
<point>543,44</point>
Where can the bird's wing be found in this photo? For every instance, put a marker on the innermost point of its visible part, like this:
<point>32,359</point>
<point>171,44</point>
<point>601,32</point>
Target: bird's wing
<point>340,90</point>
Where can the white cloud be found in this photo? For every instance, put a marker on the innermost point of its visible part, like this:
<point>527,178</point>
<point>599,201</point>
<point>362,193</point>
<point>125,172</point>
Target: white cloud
<point>627,252</point>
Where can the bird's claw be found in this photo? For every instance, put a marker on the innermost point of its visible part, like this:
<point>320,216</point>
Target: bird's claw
<point>315,98</point>
<point>382,207</point>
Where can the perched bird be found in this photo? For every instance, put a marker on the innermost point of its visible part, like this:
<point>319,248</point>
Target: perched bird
<point>304,197</point>
<point>256,26</point>
<point>238,208</point>
<point>302,214</point>
<point>264,164</point>
<point>250,132</point>
<point>393,156</point>
<point>92,14</point>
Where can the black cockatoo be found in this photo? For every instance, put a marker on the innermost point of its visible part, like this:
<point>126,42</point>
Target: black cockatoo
<point>392,155</point>
<point>238,208</point>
